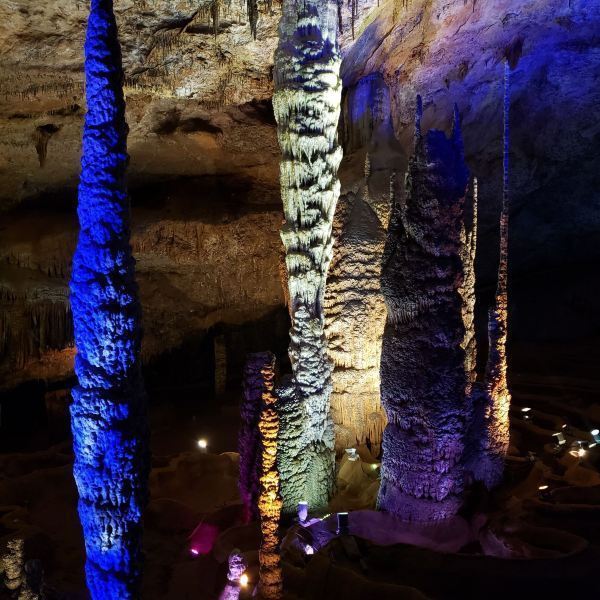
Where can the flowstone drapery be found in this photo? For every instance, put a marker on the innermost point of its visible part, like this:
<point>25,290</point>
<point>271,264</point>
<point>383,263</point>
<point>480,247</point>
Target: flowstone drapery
<point>108,413</point>
<point>307,107</point>
<point>423,374</point>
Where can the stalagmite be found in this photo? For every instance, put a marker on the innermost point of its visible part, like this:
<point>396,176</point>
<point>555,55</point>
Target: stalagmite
<point>237,566</point>
<point>467,290</point>
<point>356,314</point>
<point>249,438</point>
<point>13,564</point>
<point>269,502</point>
<point>423,378</point>
<point>108,413</point>
<point>496,434</point>
<point>307,108</point>
<point>354,306</point>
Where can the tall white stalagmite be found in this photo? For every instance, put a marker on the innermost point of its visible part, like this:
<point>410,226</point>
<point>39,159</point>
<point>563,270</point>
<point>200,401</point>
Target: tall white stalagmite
<point>307,107</point>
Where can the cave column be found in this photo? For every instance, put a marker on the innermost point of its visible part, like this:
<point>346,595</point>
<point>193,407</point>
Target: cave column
<point>307,107</point>
<point>108,414</point>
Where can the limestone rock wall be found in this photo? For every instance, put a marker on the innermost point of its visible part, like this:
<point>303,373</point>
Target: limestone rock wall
<point>195,269</point>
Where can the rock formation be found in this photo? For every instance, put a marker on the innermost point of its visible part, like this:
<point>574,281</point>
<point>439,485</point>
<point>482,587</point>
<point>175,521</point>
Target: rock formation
<point>13,562</point>
<point>109,409</point>
<point>355,320</point>
<point>423,379</point>
<point>237,566</point>
<point>307,108</point>
<point>269,502</point>
<point>496,435</point>
<point>249,438</point>
<point>354,306</point>
<point>467,290</point>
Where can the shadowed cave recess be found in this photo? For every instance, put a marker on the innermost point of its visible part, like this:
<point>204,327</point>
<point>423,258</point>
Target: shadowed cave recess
<point>298,299</point>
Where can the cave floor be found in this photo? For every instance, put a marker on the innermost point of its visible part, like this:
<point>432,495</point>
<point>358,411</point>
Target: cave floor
<point>560,384</point>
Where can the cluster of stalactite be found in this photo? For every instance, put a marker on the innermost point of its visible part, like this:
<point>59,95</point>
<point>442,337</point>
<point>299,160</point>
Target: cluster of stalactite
<point>423,367</point>
<point>108,413</point>
<point>249,437</point>
<point>269,501</point>
<point>216,10</point>
<point>494,434</point>
<point>307,108</point>
<point>28,328</point>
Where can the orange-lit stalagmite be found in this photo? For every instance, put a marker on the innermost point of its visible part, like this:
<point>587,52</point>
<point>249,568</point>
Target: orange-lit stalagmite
<point>269,501</point>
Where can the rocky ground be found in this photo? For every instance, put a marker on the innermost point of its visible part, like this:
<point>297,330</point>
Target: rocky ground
<point>529,542</point>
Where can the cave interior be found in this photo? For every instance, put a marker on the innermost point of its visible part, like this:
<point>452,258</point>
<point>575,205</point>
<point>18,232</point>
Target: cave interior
<point>298,299</point>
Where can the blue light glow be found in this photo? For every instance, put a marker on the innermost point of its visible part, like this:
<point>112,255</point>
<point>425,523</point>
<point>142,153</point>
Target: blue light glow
<point>108,410</point>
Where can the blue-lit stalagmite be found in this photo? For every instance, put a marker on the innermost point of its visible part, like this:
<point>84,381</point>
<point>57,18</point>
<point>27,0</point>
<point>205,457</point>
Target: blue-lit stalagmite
<point>109,411</point>
<point>423,367</point>
<point>307,108</point>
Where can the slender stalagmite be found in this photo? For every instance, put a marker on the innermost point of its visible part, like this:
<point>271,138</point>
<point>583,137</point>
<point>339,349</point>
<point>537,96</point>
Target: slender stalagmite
<point>249,437</point>
<point>423,378</point>
<point>496,435</point>
<point>269,501</point>
<point>12,563</point>
<point>469,237</point>
<point>108,413</point>
<point>307,108</point>
<point>237,566</point>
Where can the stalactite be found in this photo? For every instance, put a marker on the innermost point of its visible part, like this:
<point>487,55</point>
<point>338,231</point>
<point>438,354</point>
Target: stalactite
<point>108,413</point>
<point>252,8</point>
<point>496,435</point>
<point>28,327</point>
<point>423,379</point>
<point>269,501</point>
<point>42,136</point>
<point>249,437</point>
<point>307,108</point>
<point>237,566</point>
<point>215,9</point>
